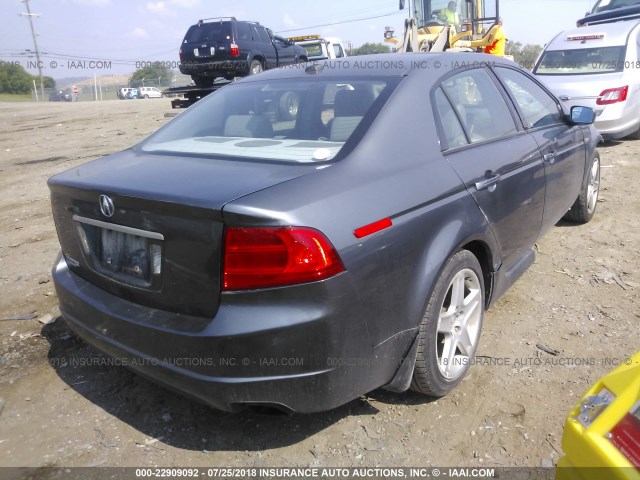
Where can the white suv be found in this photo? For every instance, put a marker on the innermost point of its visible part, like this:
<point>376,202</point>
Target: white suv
<point>149,92</point>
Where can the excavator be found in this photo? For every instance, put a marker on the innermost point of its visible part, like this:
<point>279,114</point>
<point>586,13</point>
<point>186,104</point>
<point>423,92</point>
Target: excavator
<point>444,25</point>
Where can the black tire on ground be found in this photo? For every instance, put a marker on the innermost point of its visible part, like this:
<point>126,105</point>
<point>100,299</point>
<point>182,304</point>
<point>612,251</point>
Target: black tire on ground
<point>289,103</point>
<point>146,97</point>
<point>584,207</point>
<point>450,328</point>
<point>202,82</point>
<point>255,67</point>
<point>635,135</point>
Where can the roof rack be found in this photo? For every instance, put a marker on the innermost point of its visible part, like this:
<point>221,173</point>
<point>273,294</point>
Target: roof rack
<point>202,20</point>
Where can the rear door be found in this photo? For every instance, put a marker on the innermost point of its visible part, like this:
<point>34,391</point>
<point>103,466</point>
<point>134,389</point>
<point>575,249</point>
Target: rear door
<point>265,46</point>
<point>498,162</point>
<point>563,146</point>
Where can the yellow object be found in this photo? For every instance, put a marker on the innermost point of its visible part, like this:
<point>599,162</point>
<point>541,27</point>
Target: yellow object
<point>601,437</point>
<point>497,45</point>
<point>302,38</point>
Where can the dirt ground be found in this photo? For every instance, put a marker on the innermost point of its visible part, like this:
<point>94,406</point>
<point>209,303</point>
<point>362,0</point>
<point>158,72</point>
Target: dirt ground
<point>581,298</point>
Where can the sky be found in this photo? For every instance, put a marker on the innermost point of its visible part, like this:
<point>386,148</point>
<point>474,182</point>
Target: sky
<point>120,35</point>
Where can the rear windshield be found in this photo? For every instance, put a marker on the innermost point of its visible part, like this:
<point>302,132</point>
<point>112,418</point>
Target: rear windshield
<point>218,32</point>
<point>293,120</point>
<point>586,61</point>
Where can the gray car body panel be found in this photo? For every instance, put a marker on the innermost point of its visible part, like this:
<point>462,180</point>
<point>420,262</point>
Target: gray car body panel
<point>354,330</point>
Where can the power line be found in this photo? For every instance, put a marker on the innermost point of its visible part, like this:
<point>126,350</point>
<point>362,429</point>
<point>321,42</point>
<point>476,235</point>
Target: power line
<point>338,23</point>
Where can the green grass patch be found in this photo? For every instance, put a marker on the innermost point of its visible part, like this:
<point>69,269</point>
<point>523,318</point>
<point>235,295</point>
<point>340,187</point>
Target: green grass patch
<point>15,97</point>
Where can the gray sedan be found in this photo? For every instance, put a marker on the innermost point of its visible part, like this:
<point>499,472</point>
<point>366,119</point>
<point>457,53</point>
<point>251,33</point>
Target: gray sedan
<point>245,257</point>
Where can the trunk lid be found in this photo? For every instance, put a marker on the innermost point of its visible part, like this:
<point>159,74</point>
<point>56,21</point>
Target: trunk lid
<point>162,244</point>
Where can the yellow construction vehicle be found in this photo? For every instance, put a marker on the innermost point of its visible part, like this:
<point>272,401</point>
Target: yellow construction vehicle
<point>442,25</point>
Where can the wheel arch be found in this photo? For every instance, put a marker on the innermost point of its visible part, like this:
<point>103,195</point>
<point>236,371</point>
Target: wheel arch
<point>482,252</point>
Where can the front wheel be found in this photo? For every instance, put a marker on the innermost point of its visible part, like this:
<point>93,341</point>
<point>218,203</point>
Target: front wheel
<point>584,207</point>
<point>450,328</point>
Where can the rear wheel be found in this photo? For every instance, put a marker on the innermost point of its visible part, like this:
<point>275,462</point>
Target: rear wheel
<point>146,97</point>
<point>255,67</point>
<point>450,328</point>
<point>635,135</point>
<point>289,103</point>
<point>584,208</point>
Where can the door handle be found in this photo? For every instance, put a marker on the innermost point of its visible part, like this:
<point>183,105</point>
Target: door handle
<point>549,158</point>
<point>488,183</point>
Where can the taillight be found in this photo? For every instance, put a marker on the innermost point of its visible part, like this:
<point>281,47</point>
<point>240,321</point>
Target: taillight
<point>234,50</point>
<point>613,95</point>
<point>276,256</point>
<point>181,55</point>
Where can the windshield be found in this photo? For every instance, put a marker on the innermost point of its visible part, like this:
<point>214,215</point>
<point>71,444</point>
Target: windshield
<point>217,32</point>
<point>586,61</point>
<point>293,120</point>
<point>604,5</point>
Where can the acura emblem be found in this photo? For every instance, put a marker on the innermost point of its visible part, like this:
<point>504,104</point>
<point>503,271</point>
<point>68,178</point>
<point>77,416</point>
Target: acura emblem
<point>106,206</point>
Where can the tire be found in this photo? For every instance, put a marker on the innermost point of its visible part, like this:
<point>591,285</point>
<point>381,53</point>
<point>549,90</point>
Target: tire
<point>202,82</point>
<point>146,97</point>
<point>289,103</point>
<point>255,67</point>
<point>450,327</point>
<point>584,208</point>
<point>635,135</point>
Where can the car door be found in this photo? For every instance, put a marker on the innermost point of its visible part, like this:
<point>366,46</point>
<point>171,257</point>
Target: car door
<point>562,145</point>
<point>286,52</point>
<point>498,162</point>
<point>266,46</point>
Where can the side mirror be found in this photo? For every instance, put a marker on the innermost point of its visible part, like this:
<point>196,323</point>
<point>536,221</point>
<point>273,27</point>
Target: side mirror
<point>582,115</point>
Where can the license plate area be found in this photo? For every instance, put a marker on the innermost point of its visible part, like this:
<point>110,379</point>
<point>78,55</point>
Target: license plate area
<point>124,254</point>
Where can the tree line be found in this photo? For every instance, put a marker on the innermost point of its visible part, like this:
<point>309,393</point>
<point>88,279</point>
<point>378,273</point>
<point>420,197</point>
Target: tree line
<point>525,55</point>
<point>15,79</point>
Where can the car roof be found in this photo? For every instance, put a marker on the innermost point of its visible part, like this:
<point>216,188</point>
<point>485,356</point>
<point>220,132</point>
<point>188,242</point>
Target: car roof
<point>384,64</point>
<point>613,34</point>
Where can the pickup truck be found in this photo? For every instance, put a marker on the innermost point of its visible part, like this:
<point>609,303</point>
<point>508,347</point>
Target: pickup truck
<point>319,48</point>
<point>227,47</point>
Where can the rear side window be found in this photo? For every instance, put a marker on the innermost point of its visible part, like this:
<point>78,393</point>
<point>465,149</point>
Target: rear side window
<point>243,31</point>
<point>452,130</point>
<point>337,49</point>
<point>217,32</point>
<point>536,106</point>
<point>479,105</point>
<point>262,33</point>
<point>584,61</point>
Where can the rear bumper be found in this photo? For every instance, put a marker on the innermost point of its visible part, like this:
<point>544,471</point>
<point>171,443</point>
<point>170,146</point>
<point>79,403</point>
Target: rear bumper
<point>215,68</point>
<point>616,130</point>
<point>305,356</point>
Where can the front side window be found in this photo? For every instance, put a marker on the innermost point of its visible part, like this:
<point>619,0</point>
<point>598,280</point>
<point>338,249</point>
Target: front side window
<point>536,106</point>
<point>583,61</point>
<point>293,120</point>
<point>480,106</point>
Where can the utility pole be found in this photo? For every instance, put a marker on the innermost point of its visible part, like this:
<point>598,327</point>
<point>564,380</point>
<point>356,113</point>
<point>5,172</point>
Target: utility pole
<point>30,16</point>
